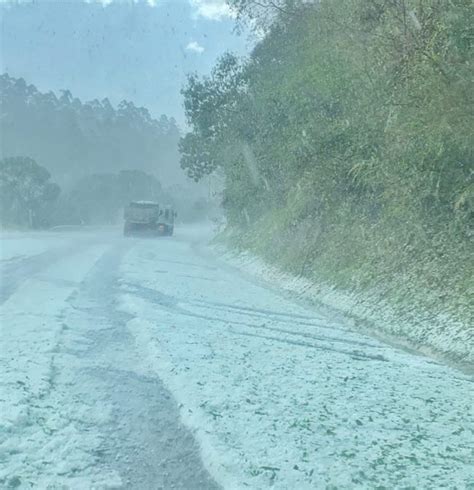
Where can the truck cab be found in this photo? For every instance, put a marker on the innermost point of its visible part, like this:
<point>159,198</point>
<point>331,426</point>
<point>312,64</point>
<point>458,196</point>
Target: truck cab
<point>166,221</point>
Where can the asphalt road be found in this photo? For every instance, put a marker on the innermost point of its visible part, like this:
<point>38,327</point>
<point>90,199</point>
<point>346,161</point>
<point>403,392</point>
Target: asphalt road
<point>151,363</point>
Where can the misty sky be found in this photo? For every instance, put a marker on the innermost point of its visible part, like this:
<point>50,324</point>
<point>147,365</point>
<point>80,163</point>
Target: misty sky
<point>140,51</point>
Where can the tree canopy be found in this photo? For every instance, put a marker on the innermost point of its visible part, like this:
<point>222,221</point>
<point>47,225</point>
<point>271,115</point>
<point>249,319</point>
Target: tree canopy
<point>26,193</point>
<point>356,99</point>
<point>73,139</point>
<point>100,198</point>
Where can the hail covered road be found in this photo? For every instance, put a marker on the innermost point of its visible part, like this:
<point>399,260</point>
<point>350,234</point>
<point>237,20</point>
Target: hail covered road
<point>150,363</point>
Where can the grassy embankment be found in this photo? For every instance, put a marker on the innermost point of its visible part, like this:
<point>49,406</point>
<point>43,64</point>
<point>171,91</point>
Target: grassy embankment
<point>346,145</point>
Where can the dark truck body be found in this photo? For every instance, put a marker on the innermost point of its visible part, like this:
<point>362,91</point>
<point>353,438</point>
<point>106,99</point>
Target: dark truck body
<point>147,217</point>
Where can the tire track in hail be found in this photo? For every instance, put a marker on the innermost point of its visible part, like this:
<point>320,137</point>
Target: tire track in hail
<point>14,273</point>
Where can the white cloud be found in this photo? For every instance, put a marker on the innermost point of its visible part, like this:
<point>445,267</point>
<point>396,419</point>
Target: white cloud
<point>212,9</point>
<point>195,46</point>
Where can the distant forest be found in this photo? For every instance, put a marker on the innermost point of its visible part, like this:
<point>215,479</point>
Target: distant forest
<point>63,161</point>
<point>72,139</point>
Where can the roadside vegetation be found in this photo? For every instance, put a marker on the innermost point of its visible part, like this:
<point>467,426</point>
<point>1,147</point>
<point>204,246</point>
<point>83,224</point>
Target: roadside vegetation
<point>345,141</point>
<point>27,196</point>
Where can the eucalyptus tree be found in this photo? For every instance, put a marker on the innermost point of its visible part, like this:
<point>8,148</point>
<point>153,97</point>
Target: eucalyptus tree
<point>27,194</point>
<point>74,138</point>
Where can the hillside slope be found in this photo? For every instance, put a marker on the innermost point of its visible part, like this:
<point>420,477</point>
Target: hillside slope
<point>346,144</point>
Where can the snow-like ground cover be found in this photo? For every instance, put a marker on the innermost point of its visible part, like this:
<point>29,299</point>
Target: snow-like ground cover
<point>436,335</point>
<point>17,245</point>
<point>283,396</point>
<point>277,394</point>
<point>41,441</point>
<point>78,409</point>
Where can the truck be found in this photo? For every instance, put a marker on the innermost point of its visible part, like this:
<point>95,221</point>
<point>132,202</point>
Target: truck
<point>148,217</point>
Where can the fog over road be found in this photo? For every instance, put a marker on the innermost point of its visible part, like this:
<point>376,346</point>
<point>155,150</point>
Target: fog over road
<point>151,363</point>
